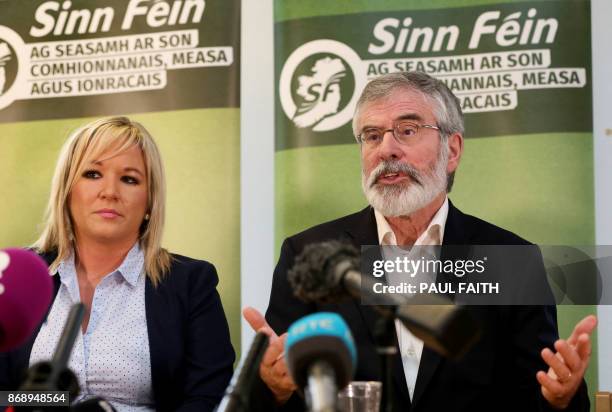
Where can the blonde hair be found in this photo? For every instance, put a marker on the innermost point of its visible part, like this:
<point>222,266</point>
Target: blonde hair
<point>85,144</point>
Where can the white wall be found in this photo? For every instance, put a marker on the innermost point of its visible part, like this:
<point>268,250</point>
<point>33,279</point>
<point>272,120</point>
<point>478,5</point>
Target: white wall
<point>256,157</point>
<point>601,13</point>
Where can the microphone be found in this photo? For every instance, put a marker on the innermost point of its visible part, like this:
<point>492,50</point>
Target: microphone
<point>321,358</point>
<point>25,296</point>
<point>328,272</point>
<point>238,392</point>
<point>55,375</point>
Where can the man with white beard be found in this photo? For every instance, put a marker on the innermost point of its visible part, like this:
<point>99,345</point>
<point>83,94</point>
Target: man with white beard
<point>410,130</point>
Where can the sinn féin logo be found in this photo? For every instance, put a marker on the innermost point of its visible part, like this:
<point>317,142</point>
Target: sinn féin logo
<point>12,57</point>
<point>320,92</point>
<point>319,85</point>
<point>8,66</point>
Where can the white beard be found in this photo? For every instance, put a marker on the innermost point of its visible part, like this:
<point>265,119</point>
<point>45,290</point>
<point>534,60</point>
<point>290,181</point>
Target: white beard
<point>405,198</point>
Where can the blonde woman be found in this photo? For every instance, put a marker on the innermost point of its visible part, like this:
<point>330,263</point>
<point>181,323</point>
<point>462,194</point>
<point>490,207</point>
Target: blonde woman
<point>154,336</point>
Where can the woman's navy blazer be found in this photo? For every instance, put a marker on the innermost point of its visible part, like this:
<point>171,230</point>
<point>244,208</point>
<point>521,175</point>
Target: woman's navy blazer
<point>189,341</point>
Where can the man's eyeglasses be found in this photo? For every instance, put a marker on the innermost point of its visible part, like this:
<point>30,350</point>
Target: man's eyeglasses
<point>404,132</point>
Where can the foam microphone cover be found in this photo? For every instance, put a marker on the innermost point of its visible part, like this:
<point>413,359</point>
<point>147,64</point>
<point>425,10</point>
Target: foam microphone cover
<point>313,276</point>
<point>325,337</point>
<point>25,295</point>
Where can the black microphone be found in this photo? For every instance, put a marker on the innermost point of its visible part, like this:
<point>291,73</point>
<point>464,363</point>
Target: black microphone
<point>68,337</point>
<point>54,375</point>
<point>329,272</point>
<point>238,392</point>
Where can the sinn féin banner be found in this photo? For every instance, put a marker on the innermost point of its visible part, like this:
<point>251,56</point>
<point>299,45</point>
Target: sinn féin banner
<point>522,71</point>
<point>172,65</point>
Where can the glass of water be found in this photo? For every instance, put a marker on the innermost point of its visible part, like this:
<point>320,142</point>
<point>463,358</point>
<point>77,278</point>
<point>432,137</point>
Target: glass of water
<point>360,397</point>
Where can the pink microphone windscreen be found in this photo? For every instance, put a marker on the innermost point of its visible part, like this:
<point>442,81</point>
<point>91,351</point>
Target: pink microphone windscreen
<point>25,295</point>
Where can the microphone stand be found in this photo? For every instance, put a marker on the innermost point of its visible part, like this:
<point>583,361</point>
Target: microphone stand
<point>384,335</point>
<point>238,393</point>
<point>54,375</point>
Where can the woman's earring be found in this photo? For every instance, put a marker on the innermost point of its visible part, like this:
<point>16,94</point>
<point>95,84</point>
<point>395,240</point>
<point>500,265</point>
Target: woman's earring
<point>147,216</point>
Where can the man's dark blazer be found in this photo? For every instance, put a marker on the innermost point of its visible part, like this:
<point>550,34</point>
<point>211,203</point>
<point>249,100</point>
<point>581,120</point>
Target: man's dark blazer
<point>498,372</point>
<point>189,342</point>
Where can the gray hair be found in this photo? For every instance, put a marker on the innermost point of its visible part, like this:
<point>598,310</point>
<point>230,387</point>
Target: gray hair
<point>446,105</point>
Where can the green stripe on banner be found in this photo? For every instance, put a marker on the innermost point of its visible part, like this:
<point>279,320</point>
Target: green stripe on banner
<point>504,63</point>
<point>538,203</point>
<point>299,9</point>
<point>530,184</point>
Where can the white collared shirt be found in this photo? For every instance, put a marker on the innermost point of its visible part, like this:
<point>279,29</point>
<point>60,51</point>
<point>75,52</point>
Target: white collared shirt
<point>112,358</point>
<point>411,347</point>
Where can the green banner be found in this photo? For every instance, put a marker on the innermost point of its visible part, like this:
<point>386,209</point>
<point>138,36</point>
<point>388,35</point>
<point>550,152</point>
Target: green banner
<point>503,62</point>
<point>522,71</point>
<point>75,56</point>
<point>172,65</point>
